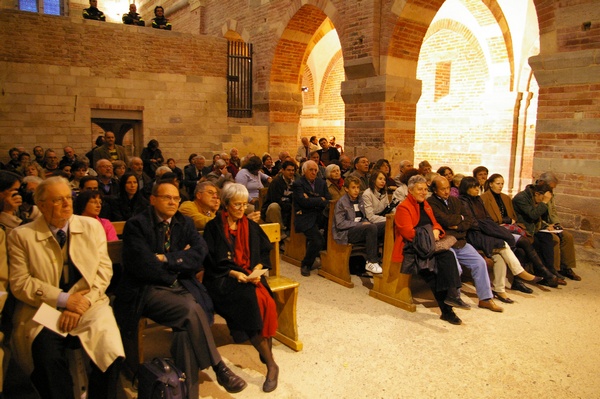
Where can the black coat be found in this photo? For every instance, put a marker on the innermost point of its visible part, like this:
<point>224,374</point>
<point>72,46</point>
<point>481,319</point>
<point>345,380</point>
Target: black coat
<point>309,211</point>
<point>142,240</point>
<point>236,302</point>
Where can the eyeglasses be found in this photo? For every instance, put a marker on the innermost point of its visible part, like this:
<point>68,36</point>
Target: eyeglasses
<point>212,193</point>
<point>169,198</point>
<point>60,200</point>
<point>239,205</point>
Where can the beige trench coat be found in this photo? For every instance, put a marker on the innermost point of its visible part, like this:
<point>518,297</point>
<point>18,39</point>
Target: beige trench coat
<point>35,268</point>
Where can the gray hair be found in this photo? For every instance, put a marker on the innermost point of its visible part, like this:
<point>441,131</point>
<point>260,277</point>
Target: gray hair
<point>162,170</point>
<point>416,179</point>
<point>131,159</point>
<point>233,190</point>
<point>40,192</point>
<point>549,178</point>
<point>201,186</point>
<point>330,168</point>
<point>199,157</point>
<point>32,179</point>
<point>305,166</point>
<point>220,163</point>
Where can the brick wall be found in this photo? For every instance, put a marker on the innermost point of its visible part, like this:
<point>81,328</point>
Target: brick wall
<point>57,69</point>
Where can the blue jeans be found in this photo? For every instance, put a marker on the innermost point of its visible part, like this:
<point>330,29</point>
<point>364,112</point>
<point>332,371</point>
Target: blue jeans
<point>468,257</point>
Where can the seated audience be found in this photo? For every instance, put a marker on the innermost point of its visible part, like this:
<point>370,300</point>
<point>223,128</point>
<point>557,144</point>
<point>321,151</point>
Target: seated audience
<point>303,152</point>
<point>136,166</point>
<point>402,191</point>
<point>78,171</point>
<point>531,208</point>
<point>65,258</point>
<point>164,254</point>
<point>69,156</point>
<point>417,232</point>
<point>34,169</point>
<point>13,212</point>
<point>456,184</point>
<point>500,208</point>
<point>89,203</point>
<point>488,237</point>
<point>480,173</point>
<point>335,181</point>
<point>130,200</point>
<point>132,17</point>
<point>384,166</point>
<point>277,205</point>
<point>310,199</point>
<point>375,198</point>
<point>351,225</point>
<point>152,158</point>
<point>194,174</point>
<point>89,183</point>
<point>314,156</point>
<point>119,168</point>
<point>424,168</point>
<point>175,169</point>
<point>448,173</point>
<point>4,352</point>
<point>268,167</point>
<point>335,145</point>
<point>327,154</point>
<point>220,175</point>
<point>51,162</point>
<point>252,178</point>
<point>447,211</point>
<point>107,183</point>
<point>361,170</point>
<point>404,166</point>
<point>246,303</point>
<point>93,12</point>
<point>204,206</point>
<point>565,261</point>
<point>345,165</point>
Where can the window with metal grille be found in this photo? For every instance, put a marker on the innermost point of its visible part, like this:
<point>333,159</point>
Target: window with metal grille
<point>239,79</point>
<point>52,7</point>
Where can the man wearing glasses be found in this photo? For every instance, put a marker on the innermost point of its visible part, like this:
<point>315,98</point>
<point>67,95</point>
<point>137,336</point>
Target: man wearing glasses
<point>204,206</point>
<point>61,260</point>
<point>164,252</point>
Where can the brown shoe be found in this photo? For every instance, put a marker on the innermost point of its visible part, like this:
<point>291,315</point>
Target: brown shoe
<point>570,273</point>
<point>491,305</point>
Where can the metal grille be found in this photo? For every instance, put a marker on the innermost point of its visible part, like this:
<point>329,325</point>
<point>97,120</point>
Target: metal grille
<point>239,80</point>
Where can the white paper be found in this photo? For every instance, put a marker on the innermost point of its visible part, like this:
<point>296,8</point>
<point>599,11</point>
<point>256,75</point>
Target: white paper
<point>555,231</point>
<point>48,317</point>
<point>257,273</point>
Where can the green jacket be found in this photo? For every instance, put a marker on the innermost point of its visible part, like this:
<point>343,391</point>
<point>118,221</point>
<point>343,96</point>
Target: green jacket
<point>530,214</point>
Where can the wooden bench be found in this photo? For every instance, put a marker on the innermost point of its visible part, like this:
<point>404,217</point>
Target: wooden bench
<point>392,286</point>
<point>285,291</point>
<point>295,246</point>
<point>119,226</point>
<point>335,261</point>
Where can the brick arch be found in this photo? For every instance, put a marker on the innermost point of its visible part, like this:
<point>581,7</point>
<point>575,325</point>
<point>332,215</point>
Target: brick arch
<point>328,72</point>
<point>303,31</point>
<point>234,26</point>
<point>408,25</point>
<point>308,81</point>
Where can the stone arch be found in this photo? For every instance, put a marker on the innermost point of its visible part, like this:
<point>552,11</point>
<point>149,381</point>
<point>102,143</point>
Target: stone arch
<point>232,25</point>
<point>308,23</point>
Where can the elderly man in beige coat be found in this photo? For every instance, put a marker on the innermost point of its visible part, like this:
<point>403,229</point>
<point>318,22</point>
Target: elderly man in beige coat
<point>61,260</point>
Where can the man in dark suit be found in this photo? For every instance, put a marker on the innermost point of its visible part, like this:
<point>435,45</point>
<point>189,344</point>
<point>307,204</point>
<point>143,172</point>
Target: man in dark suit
<point>194,174</point>
<point>310,196</point>
<point>164,254</point>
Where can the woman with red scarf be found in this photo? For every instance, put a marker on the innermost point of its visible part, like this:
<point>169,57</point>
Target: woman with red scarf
<point>237,247</point>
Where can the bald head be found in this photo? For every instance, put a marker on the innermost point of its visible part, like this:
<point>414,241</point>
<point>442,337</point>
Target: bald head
<point>441,187</point>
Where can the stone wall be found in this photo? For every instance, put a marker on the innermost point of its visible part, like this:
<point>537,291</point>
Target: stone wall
<point>58,71</point>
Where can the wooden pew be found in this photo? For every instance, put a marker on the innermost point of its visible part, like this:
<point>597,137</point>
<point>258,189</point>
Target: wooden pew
<point>335,261</point>
<point>392,286</point>
<point>295,246</point>
<point>119,226</point>
<point>284,289</point>
<point>286,292</point>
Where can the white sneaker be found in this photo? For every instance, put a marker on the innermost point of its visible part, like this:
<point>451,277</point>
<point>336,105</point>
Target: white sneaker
<point>373,268</point>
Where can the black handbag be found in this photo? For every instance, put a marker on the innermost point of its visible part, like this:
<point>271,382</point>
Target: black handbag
<point>160,378</point>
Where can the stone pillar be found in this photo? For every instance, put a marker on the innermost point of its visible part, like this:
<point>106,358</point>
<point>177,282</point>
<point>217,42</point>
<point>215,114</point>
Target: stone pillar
<point>380,117</point>
<point>567,136</point>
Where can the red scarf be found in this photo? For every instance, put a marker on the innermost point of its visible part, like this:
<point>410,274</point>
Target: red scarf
<point>339,184</point>
<point>242,244</point>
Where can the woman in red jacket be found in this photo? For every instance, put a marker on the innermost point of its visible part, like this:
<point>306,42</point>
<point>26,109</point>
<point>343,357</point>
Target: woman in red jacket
<point>417,232</point>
